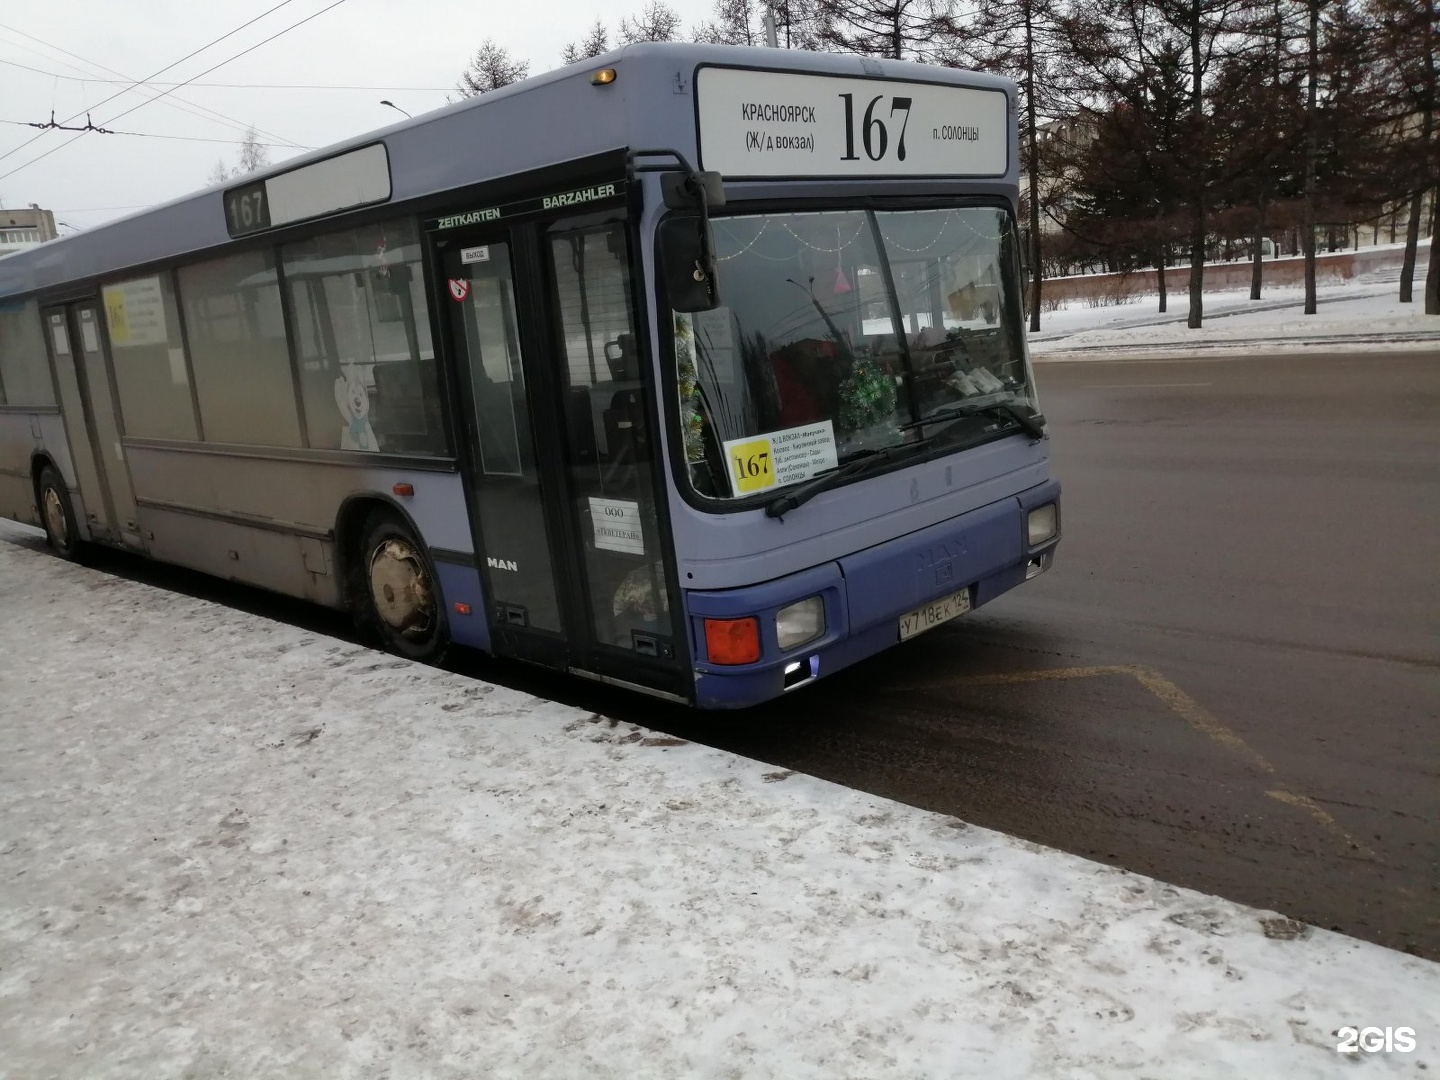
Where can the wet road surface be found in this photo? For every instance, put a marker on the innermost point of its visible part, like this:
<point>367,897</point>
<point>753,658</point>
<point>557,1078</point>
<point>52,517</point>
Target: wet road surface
<point>1229,681</point>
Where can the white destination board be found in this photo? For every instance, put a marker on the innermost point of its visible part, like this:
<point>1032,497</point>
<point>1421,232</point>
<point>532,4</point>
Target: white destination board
<point>766,123</point>
<point>352,179</point>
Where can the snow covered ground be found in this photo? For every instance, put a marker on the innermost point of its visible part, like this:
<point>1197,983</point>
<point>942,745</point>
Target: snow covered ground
<point>232,848</point>
<point>1358,316</point>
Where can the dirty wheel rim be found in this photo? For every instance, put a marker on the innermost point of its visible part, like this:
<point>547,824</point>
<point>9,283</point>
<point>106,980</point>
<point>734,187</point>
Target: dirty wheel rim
<point>55,518</point>
<point>401,589</point>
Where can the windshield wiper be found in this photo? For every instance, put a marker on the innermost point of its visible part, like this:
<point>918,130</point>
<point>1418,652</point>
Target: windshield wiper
<point>864,461</point>
<point>1030,421</point>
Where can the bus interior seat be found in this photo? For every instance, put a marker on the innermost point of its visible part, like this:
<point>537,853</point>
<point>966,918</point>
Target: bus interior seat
<point>406,406</point>
<point>622,358</point>
<point>625,434</point>
<point>581,423</point>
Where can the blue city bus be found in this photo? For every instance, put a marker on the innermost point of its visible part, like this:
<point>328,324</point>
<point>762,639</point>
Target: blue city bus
<point>697,370</point>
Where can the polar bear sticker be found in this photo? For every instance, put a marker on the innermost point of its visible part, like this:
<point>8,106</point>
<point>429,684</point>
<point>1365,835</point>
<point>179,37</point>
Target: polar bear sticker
<point>354,402</point>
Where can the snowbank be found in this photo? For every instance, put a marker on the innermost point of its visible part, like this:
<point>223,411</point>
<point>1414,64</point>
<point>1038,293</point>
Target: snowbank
<point>229,847</point>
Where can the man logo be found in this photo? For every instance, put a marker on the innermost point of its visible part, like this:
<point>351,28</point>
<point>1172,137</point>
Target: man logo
<point>501,564</point>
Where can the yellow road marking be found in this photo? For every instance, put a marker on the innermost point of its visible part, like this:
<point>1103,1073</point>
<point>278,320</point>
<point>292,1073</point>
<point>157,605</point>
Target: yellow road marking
<point>1304,802</point>
<point>1184,706</point>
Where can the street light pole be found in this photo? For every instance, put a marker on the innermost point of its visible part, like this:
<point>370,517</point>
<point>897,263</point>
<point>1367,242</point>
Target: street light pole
<point>398,109</point>
<point>770,37</point>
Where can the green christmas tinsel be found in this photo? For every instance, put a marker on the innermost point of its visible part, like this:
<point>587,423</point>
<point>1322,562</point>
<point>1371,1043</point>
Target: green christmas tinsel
<point>867,396</point>
<point>688,379</point>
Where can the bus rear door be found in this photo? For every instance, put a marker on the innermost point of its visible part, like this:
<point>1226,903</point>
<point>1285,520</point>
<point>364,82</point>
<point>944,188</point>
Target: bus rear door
<point>92,421</point>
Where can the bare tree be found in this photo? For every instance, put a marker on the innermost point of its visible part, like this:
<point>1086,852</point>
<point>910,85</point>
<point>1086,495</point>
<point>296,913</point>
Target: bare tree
<point>742,22</point>
<point>254,156</point>
<point>490,68</point>
<point>592,45</point>
<point>924,30</point>
<point>657,21</point>
<point>736,22</point>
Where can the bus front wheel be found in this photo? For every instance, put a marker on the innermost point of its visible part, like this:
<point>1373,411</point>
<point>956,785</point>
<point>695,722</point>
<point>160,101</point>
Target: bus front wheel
<point>56,514</point>
<point>399,599</point>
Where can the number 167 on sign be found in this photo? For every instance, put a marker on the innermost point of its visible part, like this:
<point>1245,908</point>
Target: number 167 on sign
<point>751,465</point>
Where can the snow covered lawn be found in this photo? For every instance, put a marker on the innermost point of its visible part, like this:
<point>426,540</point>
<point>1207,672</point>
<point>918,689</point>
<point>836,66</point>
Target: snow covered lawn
<point>231,848</point>
<point>1234,321</point>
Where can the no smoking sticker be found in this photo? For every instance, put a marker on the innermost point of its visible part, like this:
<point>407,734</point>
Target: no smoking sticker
<point>459,289</point>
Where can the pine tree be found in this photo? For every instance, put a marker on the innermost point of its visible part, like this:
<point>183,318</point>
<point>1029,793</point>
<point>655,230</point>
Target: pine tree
<point>1408,45</point>
<point>1022,39</point>
<point>1113,47</point>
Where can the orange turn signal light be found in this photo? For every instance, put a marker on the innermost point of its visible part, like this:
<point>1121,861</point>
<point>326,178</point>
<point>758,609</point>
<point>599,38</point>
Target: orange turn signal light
<point>403,490</point>
<point>603,77</point>
<point>461,609</point>
<point>732,641</point>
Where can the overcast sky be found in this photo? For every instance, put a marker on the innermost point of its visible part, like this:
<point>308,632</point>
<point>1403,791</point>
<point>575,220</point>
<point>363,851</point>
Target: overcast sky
<point>410,52</point>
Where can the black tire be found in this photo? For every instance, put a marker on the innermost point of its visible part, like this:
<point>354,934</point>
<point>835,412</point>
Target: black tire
<point>56,514</point>
<point>396,593</point>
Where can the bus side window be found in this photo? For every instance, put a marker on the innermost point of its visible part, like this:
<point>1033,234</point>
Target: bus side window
<point>238,353</point>
<point>367,364</point>
<point>24,368</point>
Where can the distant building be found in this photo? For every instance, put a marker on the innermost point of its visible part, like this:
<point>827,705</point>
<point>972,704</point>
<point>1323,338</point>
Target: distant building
<point>21,229</point>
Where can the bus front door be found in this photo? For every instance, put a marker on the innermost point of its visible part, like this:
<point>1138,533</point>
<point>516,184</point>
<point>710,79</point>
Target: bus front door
<point>561,462</point>
<point>92,421</point>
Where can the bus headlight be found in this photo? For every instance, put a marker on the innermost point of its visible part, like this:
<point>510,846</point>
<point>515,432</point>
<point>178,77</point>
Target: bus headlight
<point>1040,524</point>
<point>800,622</point>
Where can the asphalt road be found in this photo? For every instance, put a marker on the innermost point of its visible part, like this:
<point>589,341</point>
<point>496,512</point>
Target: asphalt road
<point>1230,680</point>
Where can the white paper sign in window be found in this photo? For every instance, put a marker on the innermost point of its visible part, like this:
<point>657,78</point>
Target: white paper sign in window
<point>135,313</point>
<point>768,123</point>
<point>761,462</point>
<point>617,526</point>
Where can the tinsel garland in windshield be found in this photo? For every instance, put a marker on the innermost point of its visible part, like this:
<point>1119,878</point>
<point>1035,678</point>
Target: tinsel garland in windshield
<point>867,396</point>
<point>688,378</point>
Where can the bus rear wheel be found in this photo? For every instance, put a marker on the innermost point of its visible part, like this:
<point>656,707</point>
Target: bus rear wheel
<point>399,601</point>
<point>61,532</point>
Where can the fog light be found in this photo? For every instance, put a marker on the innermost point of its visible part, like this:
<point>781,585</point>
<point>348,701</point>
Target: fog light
<point>1040,525</point>
<point>732,641</point>
<point>799,623</point>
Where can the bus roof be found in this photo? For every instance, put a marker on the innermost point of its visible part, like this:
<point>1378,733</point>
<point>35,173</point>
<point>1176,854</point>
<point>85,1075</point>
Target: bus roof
<point>556,117</point>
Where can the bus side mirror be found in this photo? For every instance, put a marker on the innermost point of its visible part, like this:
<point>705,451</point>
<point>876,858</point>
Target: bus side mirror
<point>684,191</point>
<point>686,264</point>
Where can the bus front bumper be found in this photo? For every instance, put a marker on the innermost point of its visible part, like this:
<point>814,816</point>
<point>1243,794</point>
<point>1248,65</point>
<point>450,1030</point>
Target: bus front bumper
<point>981,555</point>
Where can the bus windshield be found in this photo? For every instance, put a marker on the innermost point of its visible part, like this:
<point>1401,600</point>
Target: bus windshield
<point>840,333</point>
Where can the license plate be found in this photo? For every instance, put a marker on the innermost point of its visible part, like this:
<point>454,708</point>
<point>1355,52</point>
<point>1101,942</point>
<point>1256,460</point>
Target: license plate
<point>932,615</point>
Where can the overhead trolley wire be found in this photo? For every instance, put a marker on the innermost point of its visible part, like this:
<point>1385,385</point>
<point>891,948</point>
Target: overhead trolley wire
<point>164,93</point>
<point>194,108</point>
<point>146,134</point>
<point>155,83</point>
<point>141,82</point>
